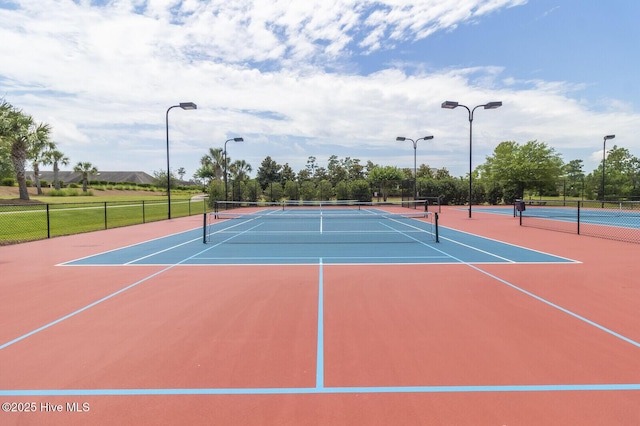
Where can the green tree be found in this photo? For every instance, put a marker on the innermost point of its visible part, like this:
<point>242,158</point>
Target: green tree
<point>442,173</point>
<point>216,192</point>
<point>575,177</point>
<point>534,166</point>
<point>181,172</point>
<point>274,191</point>
<point>620,173</point>
<point>38,153</point>
<point>424,171</point>
<point>361,190</point>
<point>320,174</point>
<point>20,133</point>
<point>287,174</point>
<point>311,165</point>
<point>308,191</point>
<point>325,190</point>
<point>6,166</point>
<point>86,169</point>
<point>160,179</point>
<point>268,172</point>
<point>342,191</point>
<point>336,170</point>
<point>407,173</point>
<point>250,190</point>
<point>384,177</point>
<point>303,176</point>
<point>355,170</point>
<point>211,165</point>
<point>56,158</point>
<point>367,169</point>
<point>291,190</point>
<point>240,170</point>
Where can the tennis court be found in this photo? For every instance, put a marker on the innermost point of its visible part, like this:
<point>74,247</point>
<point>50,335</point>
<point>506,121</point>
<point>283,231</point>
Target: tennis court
<point>321,316</point>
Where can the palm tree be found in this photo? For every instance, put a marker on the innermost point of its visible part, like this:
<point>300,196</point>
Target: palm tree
<point>216,156</point>
<point>5,158</point>
<point>56,157</point>
<point>211,165</point>
<point>86,169</point>
<point>240,170</point>
<point>22,133</point>
<point>38,154</point>
<point>181,172</point>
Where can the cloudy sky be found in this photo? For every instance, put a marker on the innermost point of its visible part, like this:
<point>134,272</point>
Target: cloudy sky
<point>321,77</point>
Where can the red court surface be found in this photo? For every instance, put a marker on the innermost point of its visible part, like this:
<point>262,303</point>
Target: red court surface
<point>433,344</point>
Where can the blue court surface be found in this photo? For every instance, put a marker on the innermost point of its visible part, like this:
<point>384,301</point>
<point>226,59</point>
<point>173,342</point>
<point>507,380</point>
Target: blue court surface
<point>589,216</point>
<point>255,241</point>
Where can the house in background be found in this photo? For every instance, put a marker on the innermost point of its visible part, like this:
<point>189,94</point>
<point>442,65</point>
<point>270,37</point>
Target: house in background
<point>111,177</point>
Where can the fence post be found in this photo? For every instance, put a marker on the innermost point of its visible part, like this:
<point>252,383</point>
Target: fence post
<point>48,223</point>
<point>105,215</point>
<point>143,216</point>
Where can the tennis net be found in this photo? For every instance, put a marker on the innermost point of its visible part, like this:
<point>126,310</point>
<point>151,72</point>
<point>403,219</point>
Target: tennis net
<point>333,222</point>
<point>617,220</point>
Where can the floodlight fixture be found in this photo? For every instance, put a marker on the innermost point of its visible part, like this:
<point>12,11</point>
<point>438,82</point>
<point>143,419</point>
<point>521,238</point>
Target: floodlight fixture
<point>185,106</point>
<point>453,105</point>
<point>237,139</point>
<point>415,147</point>
<point>604,152</point>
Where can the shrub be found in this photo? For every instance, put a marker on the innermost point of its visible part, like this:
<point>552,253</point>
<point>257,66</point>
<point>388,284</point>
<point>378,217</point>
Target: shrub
<point>8,182</point>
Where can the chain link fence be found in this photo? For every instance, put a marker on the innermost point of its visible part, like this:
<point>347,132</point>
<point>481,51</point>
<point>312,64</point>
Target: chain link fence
<point>35,221</point>
<point>615,220</point>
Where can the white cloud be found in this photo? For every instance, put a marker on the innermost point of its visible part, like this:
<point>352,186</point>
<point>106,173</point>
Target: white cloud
<point>272,72</point>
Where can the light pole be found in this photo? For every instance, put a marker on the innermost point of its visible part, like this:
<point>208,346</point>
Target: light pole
<point>452,105</point>
<point>415,147</point>
<point>225,163</point>
<point>183,105</point>
<point>604,151</point>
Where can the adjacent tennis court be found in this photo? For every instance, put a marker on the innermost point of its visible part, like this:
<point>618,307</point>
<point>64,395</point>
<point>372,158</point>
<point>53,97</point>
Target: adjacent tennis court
<point>376,314</point>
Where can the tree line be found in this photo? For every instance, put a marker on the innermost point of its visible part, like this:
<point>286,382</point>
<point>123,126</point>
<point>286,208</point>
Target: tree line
<point>24,142</point>
<point>513,171</point>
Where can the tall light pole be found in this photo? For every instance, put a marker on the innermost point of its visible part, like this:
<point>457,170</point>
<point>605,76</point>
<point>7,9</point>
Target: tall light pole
<point>604,151</point>
<point>489,105</point>
<point>415,147</point>
<point>183,105</point>
<point>225,163</point>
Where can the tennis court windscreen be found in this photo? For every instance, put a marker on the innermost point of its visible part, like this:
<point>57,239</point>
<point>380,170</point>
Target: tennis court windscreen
<point>319,223</point>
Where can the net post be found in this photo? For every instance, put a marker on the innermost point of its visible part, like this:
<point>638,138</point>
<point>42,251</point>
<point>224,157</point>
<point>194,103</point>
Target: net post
<point>437,234</point>
<point>216,207</point>
<point>204,228</point>
<point>578,217</point>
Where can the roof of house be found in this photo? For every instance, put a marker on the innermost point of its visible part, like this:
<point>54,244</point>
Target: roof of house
<point>115,177</point>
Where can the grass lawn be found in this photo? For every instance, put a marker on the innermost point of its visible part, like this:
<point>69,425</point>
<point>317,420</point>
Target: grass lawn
<point>50,216</point>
